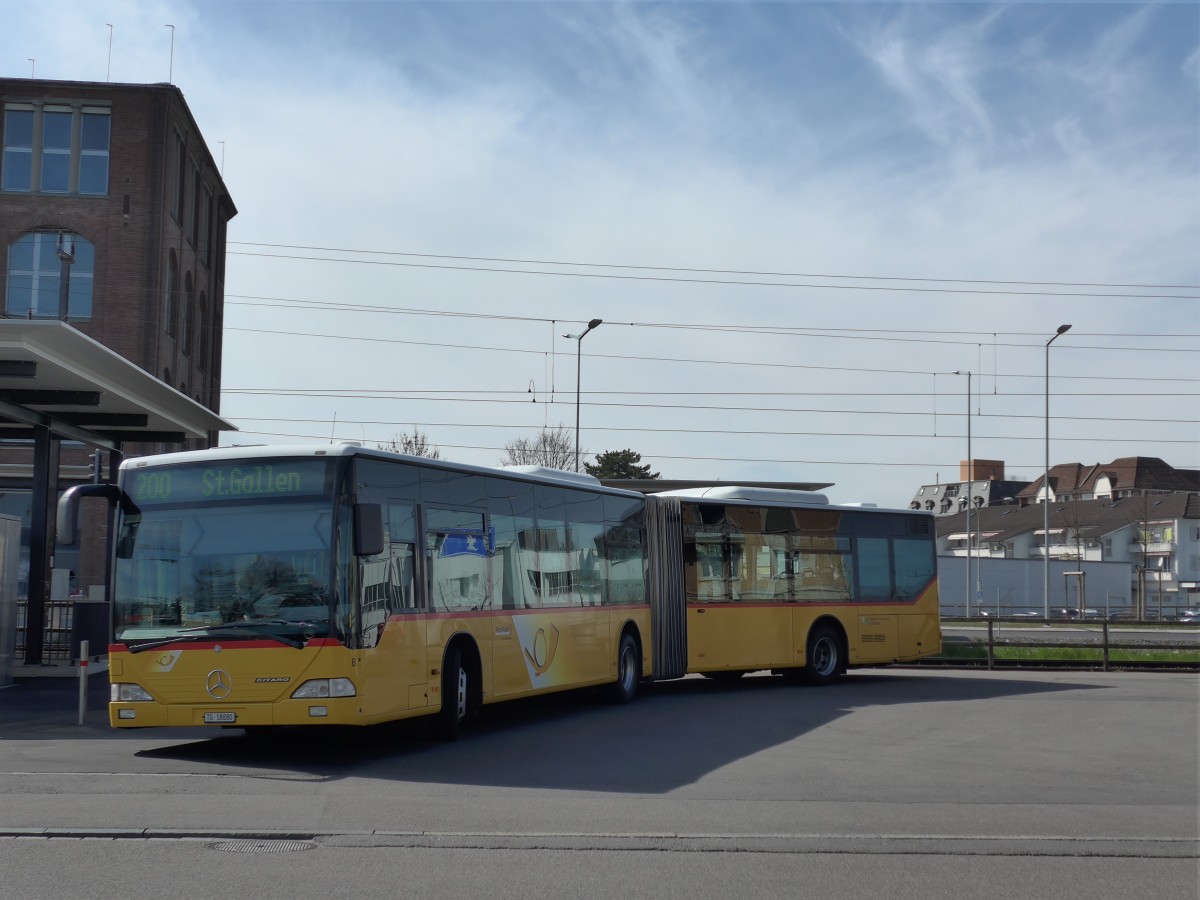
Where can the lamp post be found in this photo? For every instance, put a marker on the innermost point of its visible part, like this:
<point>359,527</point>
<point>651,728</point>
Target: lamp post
<point>970,485</point>
<point>578,338</point>
<point>1062,329</point>
<point>66,258</point>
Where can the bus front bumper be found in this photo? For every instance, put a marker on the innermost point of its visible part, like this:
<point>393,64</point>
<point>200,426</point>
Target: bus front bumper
<point>150,714</point>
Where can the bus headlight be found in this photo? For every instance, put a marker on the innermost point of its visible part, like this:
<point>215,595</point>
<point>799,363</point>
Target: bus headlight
<point>128,693</point>
<point>325,687</point>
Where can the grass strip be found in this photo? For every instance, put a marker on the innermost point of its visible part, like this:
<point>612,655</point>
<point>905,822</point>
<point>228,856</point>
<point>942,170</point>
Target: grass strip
<point>1080,654</point>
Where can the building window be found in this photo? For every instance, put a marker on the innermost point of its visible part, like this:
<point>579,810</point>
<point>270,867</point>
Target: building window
<point>94,135</point>
<point>203,327</point>
<point>195,198</point>
<point>178,162</point>
<point>55,149</point>
<point>37,262</point>
<point>172,295</point>
<point>18,149</point>
<point>206,237</point>
<point>189,314</point>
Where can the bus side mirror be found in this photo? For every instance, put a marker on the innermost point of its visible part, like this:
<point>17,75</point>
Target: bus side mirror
<point>368,529</point>
<point>68,507</point>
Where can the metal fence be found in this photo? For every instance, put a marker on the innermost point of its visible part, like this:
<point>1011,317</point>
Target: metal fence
<point>1113,612</point>
<point>67,622</point>
<point>1095,636</point>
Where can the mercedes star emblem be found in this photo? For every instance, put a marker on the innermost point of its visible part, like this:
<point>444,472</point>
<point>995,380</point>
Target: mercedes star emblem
<point>218,684</point>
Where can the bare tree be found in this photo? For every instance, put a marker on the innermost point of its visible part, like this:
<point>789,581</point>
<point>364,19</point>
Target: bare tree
<point>415,444</point>
<point>553,448</point>
<point>1142,518</point>
<point>1074,519</point>
<point>1075,523</point>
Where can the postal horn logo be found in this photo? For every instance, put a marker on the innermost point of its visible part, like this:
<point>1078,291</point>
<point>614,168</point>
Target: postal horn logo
<point>541,655</point>
<point>218,684</point>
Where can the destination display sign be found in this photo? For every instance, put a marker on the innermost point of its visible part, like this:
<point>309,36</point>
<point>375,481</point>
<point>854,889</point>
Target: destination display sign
<point>256,479</point>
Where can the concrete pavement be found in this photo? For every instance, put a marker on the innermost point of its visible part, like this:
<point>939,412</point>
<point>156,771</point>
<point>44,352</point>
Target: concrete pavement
<point>51,704</point>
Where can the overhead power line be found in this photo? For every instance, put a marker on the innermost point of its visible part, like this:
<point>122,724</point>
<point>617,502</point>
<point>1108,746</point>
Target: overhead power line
<point>671,359</point>
<point>710,271</point>
<point>969,338</point>
<point>757,432</point>
<point>829,285</point>
<point>711,407</point>
<point>435,393</point>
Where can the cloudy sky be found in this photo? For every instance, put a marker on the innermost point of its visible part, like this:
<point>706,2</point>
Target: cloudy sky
<point>797,221</point>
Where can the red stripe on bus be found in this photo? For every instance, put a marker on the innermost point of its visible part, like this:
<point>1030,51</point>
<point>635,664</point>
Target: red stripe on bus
<point>497,613</point>
<point>798,604</point>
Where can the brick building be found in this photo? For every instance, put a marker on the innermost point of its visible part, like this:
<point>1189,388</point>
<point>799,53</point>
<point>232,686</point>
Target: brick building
<point>113,218</point>
<point>119,179</point>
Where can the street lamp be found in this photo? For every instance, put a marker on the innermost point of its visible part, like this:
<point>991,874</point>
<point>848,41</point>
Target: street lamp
<point>1062,329</point>
<point>970,485</point>
<point>66,259</point>
<point>578,338</point>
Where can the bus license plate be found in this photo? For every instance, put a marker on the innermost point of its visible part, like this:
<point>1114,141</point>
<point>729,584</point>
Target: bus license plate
<point>219,718</point>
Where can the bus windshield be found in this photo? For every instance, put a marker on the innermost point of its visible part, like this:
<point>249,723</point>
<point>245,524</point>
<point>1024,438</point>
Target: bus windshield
<point>233,571</point>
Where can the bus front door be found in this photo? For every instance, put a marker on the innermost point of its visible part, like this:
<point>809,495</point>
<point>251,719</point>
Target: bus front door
<point>392,665</point>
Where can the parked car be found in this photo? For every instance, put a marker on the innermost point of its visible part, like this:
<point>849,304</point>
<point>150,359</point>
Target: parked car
<point>1191,616</point>
<point>1070,612</point>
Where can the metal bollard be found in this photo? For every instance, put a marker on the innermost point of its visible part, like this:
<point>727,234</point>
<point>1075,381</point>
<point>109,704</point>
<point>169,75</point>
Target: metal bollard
<point>83,677</point>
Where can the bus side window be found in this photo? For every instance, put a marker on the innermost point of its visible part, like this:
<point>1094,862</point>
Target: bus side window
<point>458,549</point>
<point>624,561</point>
<point>914,566</point>
<point>510,507</point>
<point>874,574</point>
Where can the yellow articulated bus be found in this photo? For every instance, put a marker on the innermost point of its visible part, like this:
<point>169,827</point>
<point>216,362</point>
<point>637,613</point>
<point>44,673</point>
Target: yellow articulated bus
<point>270,586</point>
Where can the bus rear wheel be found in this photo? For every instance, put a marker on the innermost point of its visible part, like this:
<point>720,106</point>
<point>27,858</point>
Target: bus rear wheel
<point>629,672</point>
<point>825,656</point>
<point>456,693</point>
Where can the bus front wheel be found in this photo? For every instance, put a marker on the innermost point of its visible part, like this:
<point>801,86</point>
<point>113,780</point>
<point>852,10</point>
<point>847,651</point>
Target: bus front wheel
<point>824,659</point>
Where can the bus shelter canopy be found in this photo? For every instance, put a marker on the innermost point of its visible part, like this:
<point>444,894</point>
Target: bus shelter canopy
<point>55,377</point>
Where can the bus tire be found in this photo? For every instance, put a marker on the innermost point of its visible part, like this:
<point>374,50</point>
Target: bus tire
<point>825,656</point>
<point>629,671</point>
<point>456,697</point>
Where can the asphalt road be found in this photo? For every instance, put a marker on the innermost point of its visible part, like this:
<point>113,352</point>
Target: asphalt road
<point>898,783</point>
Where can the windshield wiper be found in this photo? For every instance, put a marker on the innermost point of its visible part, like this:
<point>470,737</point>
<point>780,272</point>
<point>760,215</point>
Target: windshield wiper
<point>237,626</point>
<point>190,634</point>
<point>154,645</point>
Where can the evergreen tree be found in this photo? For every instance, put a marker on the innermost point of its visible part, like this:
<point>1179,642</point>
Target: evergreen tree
<point>623,464</point>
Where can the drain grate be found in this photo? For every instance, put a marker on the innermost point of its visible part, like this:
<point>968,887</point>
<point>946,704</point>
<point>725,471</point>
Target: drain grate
<point>264,846</point>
